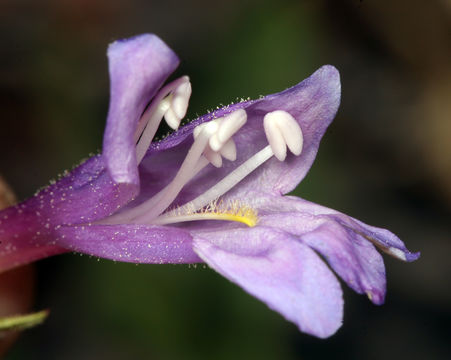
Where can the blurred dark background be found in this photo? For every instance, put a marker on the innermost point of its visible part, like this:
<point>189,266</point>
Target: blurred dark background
<point>385,160</point>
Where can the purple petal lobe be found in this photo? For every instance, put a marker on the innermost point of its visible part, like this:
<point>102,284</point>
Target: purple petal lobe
<point>346,243</point>
<point>352,257</point>
<point>384,240</point>
<point>349,254</point>
<point>130,243</point>
<point>138,67</point>
<point>282,272</point>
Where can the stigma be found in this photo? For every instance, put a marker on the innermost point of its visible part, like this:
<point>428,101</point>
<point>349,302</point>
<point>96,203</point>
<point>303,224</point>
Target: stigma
<point>212,144</point>
<point>216,210</point>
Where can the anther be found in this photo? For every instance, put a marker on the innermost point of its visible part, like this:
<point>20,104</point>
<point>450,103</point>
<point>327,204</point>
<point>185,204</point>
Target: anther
<point>228,126</point>
<point>171,102</point>
<point>228,150</point>
<point>220,142</point>
<point>282,130</point>
<point>180,99</point>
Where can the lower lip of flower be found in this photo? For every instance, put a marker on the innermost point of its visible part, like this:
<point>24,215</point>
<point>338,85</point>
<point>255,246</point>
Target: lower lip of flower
<point>212,142</point>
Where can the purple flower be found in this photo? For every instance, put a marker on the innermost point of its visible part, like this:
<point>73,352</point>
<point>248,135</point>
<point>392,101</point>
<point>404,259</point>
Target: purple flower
<point>212,191</point>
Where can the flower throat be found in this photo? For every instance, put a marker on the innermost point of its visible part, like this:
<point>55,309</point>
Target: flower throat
<point>213,142</point>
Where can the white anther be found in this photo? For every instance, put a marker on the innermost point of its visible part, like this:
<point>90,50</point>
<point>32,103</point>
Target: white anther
<point>214,142</point>
<point>275,138</point>
<point>180,98</point>
<point>230,124</point>
<point>198,129</point>
<point>171,102</point>
<point>220,142</point>
<point>291,131</point>
<point>282,130</point>
<point>172,119</point>
<point>213,157</point>
<point>178,101</point>
<point>228,150</point>
<point>210,128</point>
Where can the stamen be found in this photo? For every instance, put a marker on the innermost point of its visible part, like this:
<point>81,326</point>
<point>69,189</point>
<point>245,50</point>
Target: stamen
<point>234,211</point>
<point>171,102</point>
<point>288,133</point>
<point>149,210</point>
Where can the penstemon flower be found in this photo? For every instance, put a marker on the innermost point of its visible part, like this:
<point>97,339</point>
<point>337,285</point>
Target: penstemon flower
<point>212,191</point>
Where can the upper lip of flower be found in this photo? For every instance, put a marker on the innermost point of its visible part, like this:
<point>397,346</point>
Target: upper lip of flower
<point>115,205</point>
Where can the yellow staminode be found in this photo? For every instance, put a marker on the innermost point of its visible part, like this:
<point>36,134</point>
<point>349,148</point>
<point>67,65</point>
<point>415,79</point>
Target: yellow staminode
<point>216,210</point>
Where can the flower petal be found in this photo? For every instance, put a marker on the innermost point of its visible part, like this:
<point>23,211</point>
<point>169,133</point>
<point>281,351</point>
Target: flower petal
<point>352,257</point>
<point>282,272</point>
<point>382,238</point>
<point>23,239</point>
<point>138,68</point>
<point>28,230</point>
<point>385,240</point>
<point>342,240</point>
<point>130,243</point>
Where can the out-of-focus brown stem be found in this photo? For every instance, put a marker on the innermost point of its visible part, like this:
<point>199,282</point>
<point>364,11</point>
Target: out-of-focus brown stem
<point>17,285</point>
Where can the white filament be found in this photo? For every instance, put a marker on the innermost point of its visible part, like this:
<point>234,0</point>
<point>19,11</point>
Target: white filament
<point>149,210</point>
<point>231,179</point>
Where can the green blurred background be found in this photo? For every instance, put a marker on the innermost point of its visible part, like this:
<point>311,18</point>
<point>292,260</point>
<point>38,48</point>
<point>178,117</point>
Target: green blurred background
<point>385,160</point>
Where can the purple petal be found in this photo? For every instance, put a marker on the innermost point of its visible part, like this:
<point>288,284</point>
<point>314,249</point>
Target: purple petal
<point>138,68</point>
<point>86,194</point>
<point>384,240</point>
<point>282,272</point>
<point>342,240</point>
<point>28,230</point>
<point>352,257</point>
<point>23,240</point>
<point>130,243</point>
<point>313,103</point>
